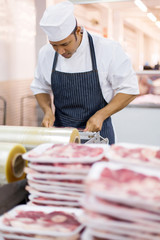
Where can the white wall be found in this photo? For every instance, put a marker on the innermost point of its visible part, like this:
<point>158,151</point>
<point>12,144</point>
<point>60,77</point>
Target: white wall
<point>129,43</point>
<point>40,38</point>
<point>17,39</point>
<point>4,56</point>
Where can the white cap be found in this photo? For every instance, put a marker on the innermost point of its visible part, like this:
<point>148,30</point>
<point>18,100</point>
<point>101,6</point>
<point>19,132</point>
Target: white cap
<point>58,21</point>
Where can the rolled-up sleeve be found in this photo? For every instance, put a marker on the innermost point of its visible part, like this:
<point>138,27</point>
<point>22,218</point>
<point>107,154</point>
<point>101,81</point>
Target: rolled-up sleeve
<point>121,74</point>
<point>40,83</point>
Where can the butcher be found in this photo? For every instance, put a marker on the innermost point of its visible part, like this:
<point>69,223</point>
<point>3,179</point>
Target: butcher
<point>91,77</point>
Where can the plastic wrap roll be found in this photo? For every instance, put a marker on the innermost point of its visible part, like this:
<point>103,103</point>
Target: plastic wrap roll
<point>31,137</point>
<point>11,162</point>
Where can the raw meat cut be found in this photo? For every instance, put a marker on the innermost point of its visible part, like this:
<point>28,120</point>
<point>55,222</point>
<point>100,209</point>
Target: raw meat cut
<point>144,154</point>
<point>67,151</point>
<point>55,221</point>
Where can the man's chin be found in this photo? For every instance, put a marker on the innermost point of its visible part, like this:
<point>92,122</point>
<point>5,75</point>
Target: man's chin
<point>68,55</point>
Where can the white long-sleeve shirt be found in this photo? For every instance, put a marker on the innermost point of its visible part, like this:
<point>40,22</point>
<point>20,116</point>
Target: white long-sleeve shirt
<point>116,74</point>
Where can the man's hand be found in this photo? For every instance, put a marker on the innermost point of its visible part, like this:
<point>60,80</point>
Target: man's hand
<point>48,119</point>
<point>94,124</point>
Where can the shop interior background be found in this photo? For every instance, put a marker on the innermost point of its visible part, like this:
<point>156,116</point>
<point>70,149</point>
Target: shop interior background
<point>136,29</point>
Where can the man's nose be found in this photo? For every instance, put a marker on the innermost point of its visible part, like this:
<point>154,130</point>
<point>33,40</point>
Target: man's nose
<point>61,50</point>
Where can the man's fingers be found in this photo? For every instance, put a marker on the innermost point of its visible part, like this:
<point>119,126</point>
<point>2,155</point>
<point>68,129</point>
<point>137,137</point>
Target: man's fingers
<point>47,124</point>
<point>48,121</point>
<point>92,127</point>
<point>50,124</point>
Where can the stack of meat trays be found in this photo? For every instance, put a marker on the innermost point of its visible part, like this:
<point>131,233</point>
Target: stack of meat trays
<point>122,202</point>
<point>128,153</point>
<point>42,223</point>
<point>56,172</point>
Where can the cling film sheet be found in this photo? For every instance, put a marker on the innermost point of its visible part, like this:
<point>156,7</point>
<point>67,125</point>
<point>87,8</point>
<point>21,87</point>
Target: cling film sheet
<point>31,137</point>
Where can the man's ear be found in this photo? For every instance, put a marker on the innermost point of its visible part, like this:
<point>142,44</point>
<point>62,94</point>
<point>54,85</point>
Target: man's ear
<point>78,30</point>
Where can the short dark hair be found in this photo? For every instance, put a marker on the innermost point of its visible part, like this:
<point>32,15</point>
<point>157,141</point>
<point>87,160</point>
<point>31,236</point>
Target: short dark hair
<point>74,31</point>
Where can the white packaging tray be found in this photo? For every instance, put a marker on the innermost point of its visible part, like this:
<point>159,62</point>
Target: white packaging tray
<point>54,187</point>
<point>146,158</point>
<point>57,183</point>
<point>52,195</point>
<point>12,214</point>
<point>45,168</point>
<point>52,176</point>
<point>115,192</point>
<point>119,211</point>
<point>40,154</point>
<point>41,188</point>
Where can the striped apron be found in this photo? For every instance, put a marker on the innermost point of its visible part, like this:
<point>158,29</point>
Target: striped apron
<point>78,96</point>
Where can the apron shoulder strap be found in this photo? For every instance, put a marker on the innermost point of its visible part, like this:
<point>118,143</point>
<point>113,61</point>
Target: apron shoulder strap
<point>55,61</point>
<point>93,56</point>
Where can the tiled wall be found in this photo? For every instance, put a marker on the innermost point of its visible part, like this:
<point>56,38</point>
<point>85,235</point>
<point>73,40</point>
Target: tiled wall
<point>21,106</point>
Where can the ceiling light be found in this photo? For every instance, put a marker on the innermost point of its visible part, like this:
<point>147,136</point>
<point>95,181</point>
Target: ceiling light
<point>141,5</point>
<point>151,17</point>
<point>158,24</point>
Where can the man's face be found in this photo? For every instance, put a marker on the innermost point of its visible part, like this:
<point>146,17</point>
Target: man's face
<point>68,46</point>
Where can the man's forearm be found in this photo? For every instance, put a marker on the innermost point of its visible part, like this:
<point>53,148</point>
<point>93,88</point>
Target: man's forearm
<point>119,101</point>
<point>44,101</point>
